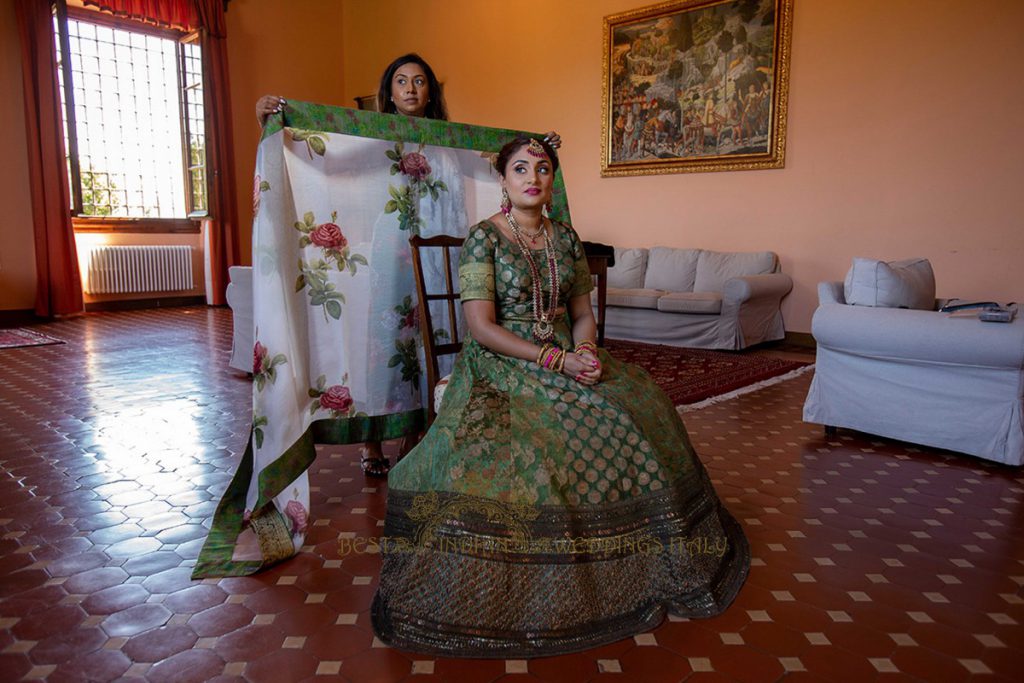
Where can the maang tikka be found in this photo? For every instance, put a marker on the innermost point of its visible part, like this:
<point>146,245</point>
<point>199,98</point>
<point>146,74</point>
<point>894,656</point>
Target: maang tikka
<point>536,149</point>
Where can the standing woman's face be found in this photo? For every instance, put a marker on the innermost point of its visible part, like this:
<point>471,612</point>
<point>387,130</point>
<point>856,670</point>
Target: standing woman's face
<point>410,90</point>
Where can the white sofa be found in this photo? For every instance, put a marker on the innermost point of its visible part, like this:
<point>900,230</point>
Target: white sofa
<point>919,376</point>
<point>695,297</point>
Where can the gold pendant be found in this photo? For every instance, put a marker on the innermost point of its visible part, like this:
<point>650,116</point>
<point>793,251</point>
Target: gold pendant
<point>543,330</point>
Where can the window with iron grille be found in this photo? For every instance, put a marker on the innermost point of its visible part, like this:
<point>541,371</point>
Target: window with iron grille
<point>132,99</point>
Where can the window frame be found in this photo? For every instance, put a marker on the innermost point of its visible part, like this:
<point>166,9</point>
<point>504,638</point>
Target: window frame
<point>81,223</point>
<point>186,130</point>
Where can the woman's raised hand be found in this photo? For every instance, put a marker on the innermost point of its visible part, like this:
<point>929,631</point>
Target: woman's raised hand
<point>553,139</point>
<point>267,105</point>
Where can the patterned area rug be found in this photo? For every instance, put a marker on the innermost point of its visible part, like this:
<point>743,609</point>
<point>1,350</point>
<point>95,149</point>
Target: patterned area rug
<point>694,378</point>
<point>19,336</point>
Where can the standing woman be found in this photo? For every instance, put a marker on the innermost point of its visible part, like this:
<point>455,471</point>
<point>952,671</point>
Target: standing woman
<point>408,87</point>
<point>556,503</point>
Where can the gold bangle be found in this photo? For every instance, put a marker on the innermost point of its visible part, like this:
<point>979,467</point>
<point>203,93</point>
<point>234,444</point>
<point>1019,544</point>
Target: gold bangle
<point>540,356</point>
<point>586,345</point>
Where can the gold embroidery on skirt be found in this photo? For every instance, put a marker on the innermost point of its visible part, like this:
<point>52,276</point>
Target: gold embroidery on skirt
<point>272,533</point>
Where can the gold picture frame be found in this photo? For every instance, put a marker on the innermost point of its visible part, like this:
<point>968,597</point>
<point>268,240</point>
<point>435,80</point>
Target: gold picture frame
<point>696,85</point>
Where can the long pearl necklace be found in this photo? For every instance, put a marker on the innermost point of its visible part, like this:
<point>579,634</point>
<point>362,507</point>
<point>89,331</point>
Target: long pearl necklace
<point>543,330</point>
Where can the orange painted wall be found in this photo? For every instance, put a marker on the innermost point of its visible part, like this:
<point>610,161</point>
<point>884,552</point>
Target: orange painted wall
<point>289,48</point>
<point>17,251</point>
<point>905,125</point>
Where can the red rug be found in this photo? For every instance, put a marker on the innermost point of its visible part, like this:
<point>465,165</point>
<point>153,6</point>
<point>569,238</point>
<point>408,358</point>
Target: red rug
<point>690,376</point>
<point>19,336</point>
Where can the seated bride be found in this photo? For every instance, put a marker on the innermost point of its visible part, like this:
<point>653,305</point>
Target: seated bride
<point>556,503</point>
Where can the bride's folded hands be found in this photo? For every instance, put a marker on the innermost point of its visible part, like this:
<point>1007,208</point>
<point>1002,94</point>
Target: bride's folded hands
<point>585,369</point>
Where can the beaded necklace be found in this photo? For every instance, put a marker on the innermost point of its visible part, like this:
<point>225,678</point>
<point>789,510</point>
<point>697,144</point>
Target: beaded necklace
<point>543,330</point>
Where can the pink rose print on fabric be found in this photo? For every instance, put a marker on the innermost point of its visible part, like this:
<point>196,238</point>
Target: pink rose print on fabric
<point>334,253</point>
<point>259,354</point>
<point>336,398</point>
<point>295,512</point>
<point>264,367</point>
<point>328,236</point>
<point>414,165</point>
<point>405,355</point>
<point>421,184</point>
<point>410,318</point>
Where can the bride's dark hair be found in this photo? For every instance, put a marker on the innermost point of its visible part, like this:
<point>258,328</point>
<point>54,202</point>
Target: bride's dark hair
<point>501,161</point>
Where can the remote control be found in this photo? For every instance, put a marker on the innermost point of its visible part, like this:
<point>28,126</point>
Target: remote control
<point>997,315</point>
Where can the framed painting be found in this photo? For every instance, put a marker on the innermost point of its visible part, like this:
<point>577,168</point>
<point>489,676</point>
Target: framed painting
<point>696,85</point>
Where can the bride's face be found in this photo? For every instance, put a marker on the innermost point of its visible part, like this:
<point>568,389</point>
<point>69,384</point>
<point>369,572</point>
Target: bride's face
<point>528,180</point>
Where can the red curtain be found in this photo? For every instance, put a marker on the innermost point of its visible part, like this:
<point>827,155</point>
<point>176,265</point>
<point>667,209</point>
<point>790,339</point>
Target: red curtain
<point>58,285</point>
<point>222,188</point>
<point>180,14</point>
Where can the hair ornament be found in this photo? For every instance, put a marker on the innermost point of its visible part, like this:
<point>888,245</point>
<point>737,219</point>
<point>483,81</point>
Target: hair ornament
<point>536,149</point>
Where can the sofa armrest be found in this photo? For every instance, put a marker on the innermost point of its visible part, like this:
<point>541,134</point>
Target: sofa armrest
<point>771,286</point>
<point>918,336</point>
<point>831,293</point>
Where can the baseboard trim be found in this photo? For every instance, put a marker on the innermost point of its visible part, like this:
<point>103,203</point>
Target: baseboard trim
<point>802,339</point>
<point>136,304</point>
<point>20,317</point>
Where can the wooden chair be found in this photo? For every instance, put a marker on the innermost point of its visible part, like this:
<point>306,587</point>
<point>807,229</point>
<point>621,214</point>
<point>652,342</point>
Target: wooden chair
<point>431,348</point>
<point>599,270</point>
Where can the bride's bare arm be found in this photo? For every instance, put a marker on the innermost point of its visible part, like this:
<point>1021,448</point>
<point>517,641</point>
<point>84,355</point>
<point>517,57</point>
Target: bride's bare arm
<point>482,323</point>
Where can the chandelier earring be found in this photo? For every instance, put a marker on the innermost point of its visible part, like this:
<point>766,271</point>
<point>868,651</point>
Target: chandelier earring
<point>506,203</point>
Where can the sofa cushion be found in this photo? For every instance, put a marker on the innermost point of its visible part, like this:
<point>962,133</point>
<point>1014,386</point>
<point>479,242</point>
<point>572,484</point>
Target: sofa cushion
<point>671,269</point>
<point>714,268</point>
<point>897,284</point>
<point>691,302</point>
<point>628,271</point>
<point>634,298</point>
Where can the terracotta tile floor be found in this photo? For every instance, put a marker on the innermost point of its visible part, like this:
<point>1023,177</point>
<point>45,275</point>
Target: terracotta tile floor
<point>872,559</point>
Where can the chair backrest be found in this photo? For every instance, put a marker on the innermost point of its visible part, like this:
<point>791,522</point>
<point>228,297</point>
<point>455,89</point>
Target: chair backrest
<point>598,265</point>
<point>421,246</point>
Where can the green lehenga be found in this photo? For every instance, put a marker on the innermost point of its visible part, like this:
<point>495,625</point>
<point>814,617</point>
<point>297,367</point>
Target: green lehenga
<point>540,516</point>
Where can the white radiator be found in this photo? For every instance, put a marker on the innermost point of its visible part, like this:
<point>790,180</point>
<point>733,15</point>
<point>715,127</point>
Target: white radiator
<point>121,269</point>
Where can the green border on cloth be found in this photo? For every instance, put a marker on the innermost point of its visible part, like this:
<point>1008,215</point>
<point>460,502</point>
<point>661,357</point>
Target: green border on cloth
<point>396,128</point>
<point>215,559</point>
<point>375,428</point>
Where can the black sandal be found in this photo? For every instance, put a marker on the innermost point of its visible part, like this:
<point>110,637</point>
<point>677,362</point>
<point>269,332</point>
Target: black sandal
<point>374,467</point>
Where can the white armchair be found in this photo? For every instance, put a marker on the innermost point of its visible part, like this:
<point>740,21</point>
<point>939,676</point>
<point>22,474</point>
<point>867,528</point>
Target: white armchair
<point>239,298</point>
<point>919,376</point>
